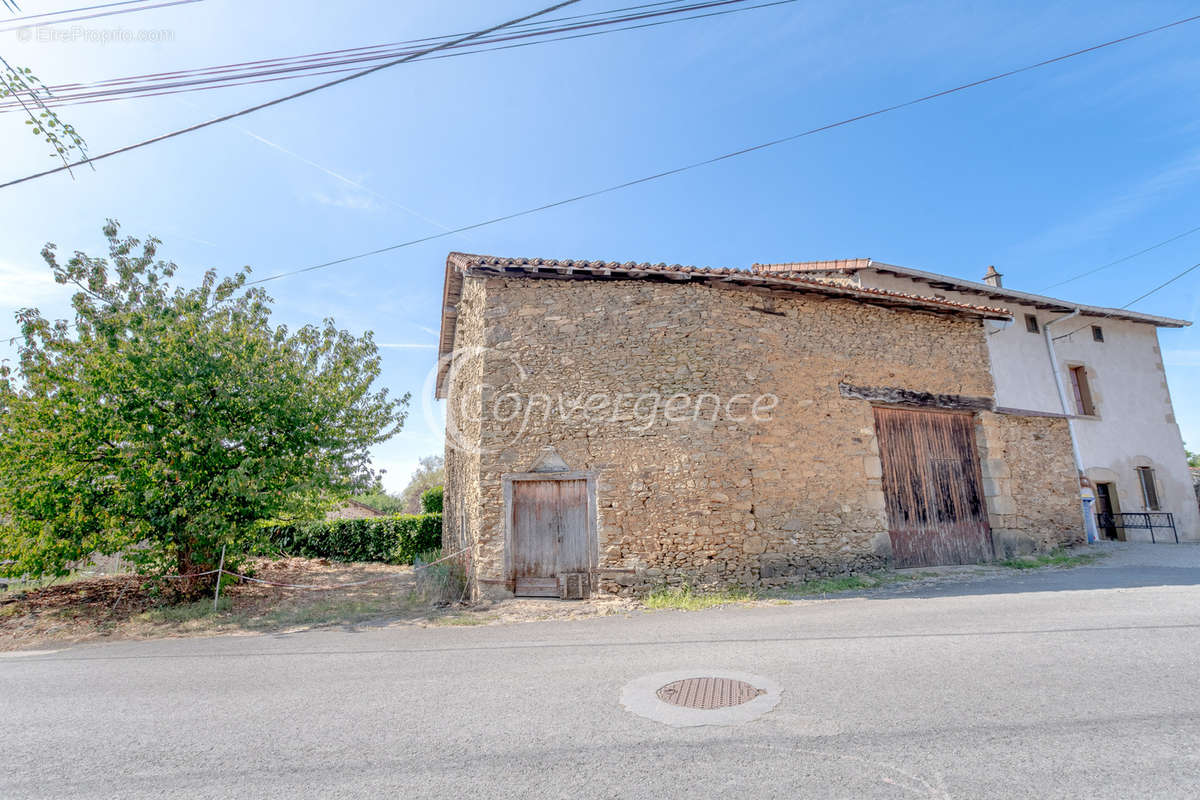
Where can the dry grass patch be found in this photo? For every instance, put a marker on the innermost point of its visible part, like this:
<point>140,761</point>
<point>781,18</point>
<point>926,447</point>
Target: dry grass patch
<point>686,598</point>
<point>125,607</point>
<point>1056,558</point>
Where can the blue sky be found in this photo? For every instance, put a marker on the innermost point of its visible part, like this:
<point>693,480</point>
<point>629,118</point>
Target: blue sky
<point>1045,175</point>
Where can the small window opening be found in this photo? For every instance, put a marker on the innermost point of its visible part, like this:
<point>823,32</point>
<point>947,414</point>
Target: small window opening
<point>1097,333</point>
<point>1149,492</point>
<point>1031,323</point>
<point>1083,392</point>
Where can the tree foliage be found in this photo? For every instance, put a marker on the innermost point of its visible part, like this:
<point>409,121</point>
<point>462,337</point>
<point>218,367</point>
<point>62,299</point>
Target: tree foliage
<point>431,500</point>
<point>31,94</point>
<point>430,471</point>
<point>382,502</point>
<point>172,420</point>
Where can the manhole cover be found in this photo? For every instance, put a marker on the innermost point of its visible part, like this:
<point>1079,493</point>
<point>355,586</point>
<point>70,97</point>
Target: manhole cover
<point>708,693</point>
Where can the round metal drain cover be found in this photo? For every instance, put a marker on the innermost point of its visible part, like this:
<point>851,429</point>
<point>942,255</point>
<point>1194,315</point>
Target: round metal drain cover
<point>708,693</point>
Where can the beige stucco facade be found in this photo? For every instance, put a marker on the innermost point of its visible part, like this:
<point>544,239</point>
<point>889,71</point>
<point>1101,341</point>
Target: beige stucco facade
<point>727,486</point>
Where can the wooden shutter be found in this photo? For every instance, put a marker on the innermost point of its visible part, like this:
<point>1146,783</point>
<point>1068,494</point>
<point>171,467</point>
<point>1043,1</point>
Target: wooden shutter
<point>1083,393</point>
<point>1149,491</point>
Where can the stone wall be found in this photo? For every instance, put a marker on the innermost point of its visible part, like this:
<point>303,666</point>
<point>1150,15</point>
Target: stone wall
<point>1030,481</point>
<point>713,495</point>
<point>462,509</point>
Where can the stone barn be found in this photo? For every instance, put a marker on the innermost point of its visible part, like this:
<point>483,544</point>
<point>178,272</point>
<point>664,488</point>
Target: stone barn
<point>611,427</point>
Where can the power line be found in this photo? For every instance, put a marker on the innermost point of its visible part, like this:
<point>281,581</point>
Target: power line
<point>1122,259</point>
<point>466,52</point>
<point>142,5</point>
<point>743,151</point>
<point>725,156</point>
<point>323,63</point>
<point>293,96</point>
<point>1137,299</point>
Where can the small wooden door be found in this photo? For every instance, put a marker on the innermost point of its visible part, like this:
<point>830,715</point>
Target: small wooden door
<point>549,534</point>
<point>936,512</point>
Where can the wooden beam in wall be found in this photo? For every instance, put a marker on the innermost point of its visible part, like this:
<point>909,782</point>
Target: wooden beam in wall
<point>891,395</point>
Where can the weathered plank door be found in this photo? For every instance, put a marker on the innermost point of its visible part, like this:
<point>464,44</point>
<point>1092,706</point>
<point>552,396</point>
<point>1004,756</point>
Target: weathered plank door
<point>549,534</point>
<point>936,512</point>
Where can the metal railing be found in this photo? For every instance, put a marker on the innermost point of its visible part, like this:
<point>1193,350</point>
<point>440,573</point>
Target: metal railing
<point>1139,520</point>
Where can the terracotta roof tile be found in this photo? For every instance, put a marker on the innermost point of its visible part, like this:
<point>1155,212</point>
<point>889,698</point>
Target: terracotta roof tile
<point>777,274</point>
<point>834,265</point>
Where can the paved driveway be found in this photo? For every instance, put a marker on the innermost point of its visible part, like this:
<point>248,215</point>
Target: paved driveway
<point>1079,683</point>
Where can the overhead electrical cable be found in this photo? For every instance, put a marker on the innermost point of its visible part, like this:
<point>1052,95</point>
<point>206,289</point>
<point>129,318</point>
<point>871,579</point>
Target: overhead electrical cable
<point>1137,299</point>
<point>1123,259</point>
<point>725,156</point>
<point>43,19</point>
<point>285,98</point>
<point>336,61</point>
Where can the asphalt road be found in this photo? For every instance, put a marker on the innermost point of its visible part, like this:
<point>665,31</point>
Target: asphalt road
<point>1079,683</point>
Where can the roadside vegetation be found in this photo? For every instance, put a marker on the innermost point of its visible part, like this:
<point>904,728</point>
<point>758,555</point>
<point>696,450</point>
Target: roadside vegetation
<point>687,598</point>
<point>1056,558</point>
<point>166,422</point>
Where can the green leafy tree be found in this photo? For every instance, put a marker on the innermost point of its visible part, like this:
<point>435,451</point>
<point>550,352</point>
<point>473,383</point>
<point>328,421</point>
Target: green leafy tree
<point>431,500</point>
<point>430,471</point>
<point>172,420</point>
<point>1193,459</point>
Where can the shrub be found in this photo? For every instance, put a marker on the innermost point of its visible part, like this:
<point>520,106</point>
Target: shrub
<point>440,582</point>
<point>431,500</point>
<point>396,539</point>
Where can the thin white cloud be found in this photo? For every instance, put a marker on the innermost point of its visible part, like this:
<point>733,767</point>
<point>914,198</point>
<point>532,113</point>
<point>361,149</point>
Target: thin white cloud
<point>408,346</point>
<point>350,200</point>
<point>1182,358</point>
<point>1129,204</point>
<point>430,331</point>
<point>24,286</point>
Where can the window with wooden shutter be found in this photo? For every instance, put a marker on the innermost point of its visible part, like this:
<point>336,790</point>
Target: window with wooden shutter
<point>1083,393</point>
<point>1149,491</point>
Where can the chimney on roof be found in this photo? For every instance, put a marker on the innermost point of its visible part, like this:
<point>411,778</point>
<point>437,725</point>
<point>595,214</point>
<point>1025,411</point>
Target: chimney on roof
<point>993,278</point>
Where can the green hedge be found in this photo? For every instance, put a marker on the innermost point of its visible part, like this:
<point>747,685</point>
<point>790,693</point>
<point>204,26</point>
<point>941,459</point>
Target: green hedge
<point>395,539</point>
<point>431,500</point>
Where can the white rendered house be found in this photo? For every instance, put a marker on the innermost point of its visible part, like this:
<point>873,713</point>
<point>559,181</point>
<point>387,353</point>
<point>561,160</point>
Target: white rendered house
<point>1110,384</point>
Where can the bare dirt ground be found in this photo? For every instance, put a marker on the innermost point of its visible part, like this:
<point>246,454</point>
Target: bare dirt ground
<point>126,607</point>
<point>115,607</point>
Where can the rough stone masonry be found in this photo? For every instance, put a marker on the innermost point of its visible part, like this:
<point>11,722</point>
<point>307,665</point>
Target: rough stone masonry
<point>715,493</point>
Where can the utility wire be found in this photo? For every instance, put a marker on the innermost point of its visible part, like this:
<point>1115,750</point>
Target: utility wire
<point>764,145</point>
<point>141,6</point>
<point>324,63</point>
<point>1122,259</point>
<point>292,96</point>
<point>1137,299</point>
<point>725,156</point>
<point>585,35</point>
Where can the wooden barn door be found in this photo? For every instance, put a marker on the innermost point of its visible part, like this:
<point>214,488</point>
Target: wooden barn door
<point>936,512</point>
<point>549,534</point>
